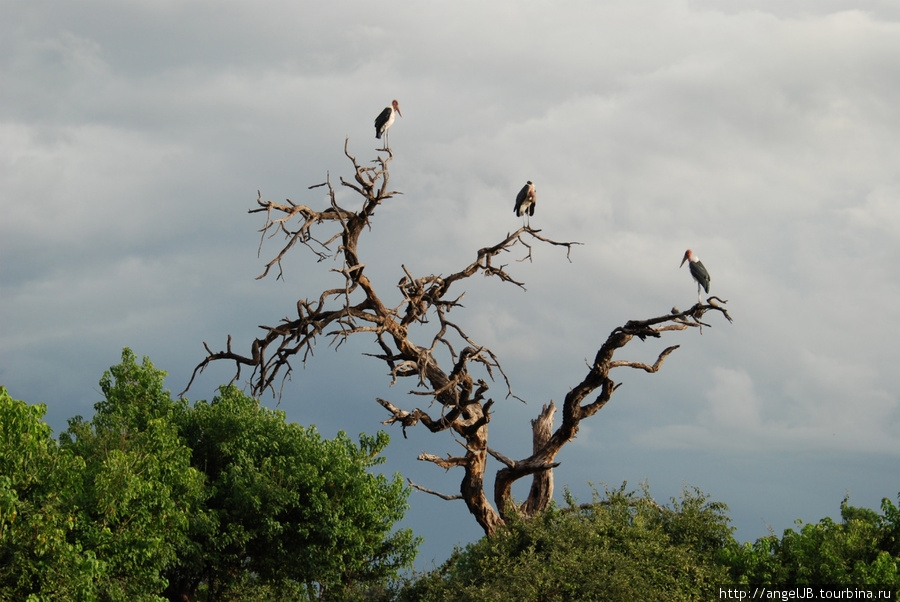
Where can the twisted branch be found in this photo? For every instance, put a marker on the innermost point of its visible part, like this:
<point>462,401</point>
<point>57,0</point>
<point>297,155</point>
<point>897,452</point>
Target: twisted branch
<point>354,307</point>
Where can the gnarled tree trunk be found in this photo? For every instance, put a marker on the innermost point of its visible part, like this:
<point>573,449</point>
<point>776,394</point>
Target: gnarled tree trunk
<point>357,307</point>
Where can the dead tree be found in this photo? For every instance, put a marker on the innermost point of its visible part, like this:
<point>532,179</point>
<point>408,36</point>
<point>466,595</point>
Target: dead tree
<point>357,307</point>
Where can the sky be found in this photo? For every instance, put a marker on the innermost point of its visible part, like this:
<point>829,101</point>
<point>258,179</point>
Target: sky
<point>760,134</point>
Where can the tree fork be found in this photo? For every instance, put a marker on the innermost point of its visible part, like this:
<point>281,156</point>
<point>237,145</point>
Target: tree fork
<point>440,372</point>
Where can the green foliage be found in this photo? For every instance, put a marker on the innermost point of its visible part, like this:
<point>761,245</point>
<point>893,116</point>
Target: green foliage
<point>620,547</point>
<point>287,506</point>
<point>625,547</point>
<point>860,550</point>
<point>138,488</point>
<point>152,500</point>
<point>38,483</point>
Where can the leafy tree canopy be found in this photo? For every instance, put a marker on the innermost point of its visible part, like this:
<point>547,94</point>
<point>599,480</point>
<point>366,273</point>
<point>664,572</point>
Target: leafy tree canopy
<point>288,506</point>
<point>38,486</point>
<point>154,499</point>
<point>862,549</point>
<point>138,489</point>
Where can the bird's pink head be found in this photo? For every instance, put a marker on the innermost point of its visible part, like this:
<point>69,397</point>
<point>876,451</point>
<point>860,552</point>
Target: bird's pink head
<point>687,256</point>
<point>397,108</point>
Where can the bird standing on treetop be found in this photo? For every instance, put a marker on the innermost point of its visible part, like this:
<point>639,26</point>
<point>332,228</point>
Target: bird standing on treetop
<point>698,272</point>
<point>384,121</point>
<point>525,201</point>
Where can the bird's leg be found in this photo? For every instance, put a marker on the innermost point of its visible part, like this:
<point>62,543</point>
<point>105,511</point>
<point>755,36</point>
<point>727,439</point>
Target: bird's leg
<point>699,298</point>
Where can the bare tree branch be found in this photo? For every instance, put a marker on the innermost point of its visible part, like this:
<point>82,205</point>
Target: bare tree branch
<point>448,366</point>
<point>449,498</point>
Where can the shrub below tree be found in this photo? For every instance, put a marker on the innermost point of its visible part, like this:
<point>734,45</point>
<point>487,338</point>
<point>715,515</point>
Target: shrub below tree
<point>622,546</point>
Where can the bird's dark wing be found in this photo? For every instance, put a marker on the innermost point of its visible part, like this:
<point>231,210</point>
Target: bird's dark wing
<point>520,198</point>
<point>698,271</point>
<point>381,120</point>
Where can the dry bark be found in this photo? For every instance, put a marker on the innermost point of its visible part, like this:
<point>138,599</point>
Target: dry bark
<point>464,407</point>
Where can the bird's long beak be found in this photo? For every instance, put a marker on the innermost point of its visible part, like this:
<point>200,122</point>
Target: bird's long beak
<point>398,112</point>
<point>684,259</point>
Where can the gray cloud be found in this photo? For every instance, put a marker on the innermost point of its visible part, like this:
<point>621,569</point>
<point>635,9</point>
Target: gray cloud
<point>761,136</point>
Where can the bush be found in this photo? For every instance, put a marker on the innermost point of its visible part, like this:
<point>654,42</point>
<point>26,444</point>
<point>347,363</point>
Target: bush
<point>622,546</point>
<point>863,549</point>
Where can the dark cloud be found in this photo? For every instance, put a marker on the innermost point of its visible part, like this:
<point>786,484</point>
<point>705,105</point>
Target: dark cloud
<point>761,135</point>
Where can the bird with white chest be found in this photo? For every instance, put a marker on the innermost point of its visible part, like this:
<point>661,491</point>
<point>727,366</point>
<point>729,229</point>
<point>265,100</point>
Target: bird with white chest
<point>384,121</point>
<point>525,201</point>
<point>698,272</point>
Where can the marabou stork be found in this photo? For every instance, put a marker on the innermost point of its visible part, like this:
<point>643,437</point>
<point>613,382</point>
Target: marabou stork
<point>384,120</point>
<point>525,201</point>
<point>698,272</point>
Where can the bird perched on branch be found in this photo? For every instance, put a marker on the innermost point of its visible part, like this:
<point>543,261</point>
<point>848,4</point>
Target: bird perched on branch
<point>698,272</point>
<point>384,120</point>
<point>525,201</point>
